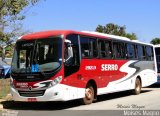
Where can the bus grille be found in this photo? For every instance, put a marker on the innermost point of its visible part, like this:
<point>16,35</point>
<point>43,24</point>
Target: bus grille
<point>31,93</point>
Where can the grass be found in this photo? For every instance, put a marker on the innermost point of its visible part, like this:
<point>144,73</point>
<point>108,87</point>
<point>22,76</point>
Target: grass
<point>4,87</point>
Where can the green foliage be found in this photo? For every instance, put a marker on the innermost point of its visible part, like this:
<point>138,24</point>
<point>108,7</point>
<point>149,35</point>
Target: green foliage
<point>100,29</point>
<point>114,29</point>
<point>155,41</point>
<point>12,7</point>
<point>11,16</point>
<point>131,36</point>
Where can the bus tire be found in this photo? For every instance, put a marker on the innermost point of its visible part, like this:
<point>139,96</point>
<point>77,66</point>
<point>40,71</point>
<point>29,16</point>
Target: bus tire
<point>89,95</point>
<point>137,89</point>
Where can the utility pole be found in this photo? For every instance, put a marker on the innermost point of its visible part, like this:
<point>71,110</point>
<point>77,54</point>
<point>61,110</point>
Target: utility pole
<point>3,52</point>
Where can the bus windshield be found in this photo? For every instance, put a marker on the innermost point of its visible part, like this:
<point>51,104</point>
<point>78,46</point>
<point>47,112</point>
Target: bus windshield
<point>37,56</point>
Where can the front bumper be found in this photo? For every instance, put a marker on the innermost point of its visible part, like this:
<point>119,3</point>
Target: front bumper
<point>59,92</point>
<point>55,93</point>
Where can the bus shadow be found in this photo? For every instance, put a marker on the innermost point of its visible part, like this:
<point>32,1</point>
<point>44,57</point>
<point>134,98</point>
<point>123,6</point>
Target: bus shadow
<point>39,105</point>
<point>116,95</point>
<point>61,105</point>
<point>156,85</point>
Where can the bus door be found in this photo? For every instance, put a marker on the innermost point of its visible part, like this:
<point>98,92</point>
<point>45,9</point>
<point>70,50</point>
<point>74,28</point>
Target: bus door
<point>71,62</point>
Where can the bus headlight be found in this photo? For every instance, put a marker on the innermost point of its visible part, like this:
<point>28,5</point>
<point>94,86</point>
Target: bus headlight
<point>56,81</point>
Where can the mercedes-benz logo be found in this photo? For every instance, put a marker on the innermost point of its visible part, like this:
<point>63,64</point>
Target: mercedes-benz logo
<point>30,88</point>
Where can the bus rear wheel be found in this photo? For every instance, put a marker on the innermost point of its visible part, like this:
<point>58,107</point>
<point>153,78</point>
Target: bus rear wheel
<point>89,95</point>
<point>137,88</point>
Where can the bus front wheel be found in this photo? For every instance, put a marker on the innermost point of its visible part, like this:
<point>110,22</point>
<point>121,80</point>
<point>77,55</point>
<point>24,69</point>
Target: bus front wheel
<point>137,88</point>
<point>89,95</point>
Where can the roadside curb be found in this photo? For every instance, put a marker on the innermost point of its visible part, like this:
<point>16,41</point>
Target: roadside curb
<point>7,98</point>
<point>1,105</point>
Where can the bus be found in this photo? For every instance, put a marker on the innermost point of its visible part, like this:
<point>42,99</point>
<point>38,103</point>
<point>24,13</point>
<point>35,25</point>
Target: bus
<point>62,65</point>
<point>157,53</point>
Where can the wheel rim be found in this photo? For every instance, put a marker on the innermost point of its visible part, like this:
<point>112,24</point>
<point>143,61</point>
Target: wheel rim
<point>89,93</point>
<point>138,86</point>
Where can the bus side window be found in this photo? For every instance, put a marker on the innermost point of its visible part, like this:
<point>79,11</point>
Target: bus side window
<point>122,50</point>
<point>102,51</point>
<point>135,51</point>
<point>141,52</point>
<point>118,50</point>
<point>108,48</point>
<point>144,53</point>
<point>85,47</point>
<point>130,51</point>
<point>93,47</point>
<point>149,53</point>
<point>115,52</point>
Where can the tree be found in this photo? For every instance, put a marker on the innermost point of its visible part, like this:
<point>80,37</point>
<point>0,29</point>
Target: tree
<point>114,29</point>
<point>155,41</point>
<point>131,36</point>
<point>11,17</point>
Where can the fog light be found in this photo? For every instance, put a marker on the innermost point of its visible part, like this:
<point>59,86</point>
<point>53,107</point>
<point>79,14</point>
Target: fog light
<point>55,93</point>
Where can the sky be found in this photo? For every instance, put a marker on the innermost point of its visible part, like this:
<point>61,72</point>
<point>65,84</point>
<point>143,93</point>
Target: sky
<point>141,17</point>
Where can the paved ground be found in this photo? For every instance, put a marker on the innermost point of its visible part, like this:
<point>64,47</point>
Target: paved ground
<point>111,104</point>
<point>149,99</point>
<point>1,106</point>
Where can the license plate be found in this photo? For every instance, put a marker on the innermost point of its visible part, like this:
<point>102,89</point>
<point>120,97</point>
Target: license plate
<point>32,99</point>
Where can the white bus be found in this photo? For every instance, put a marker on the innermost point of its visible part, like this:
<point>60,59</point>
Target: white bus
<point>157,52</point>
<point>66,65</point>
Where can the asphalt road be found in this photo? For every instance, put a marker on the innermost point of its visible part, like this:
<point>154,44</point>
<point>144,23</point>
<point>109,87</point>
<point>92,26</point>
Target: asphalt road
<point>107,105</point>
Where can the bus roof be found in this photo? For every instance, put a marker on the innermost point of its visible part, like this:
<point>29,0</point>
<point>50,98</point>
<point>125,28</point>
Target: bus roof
<point>116,37</point>
<point>108,35</point>
<point>157,46</point>
<point>45,34</point>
